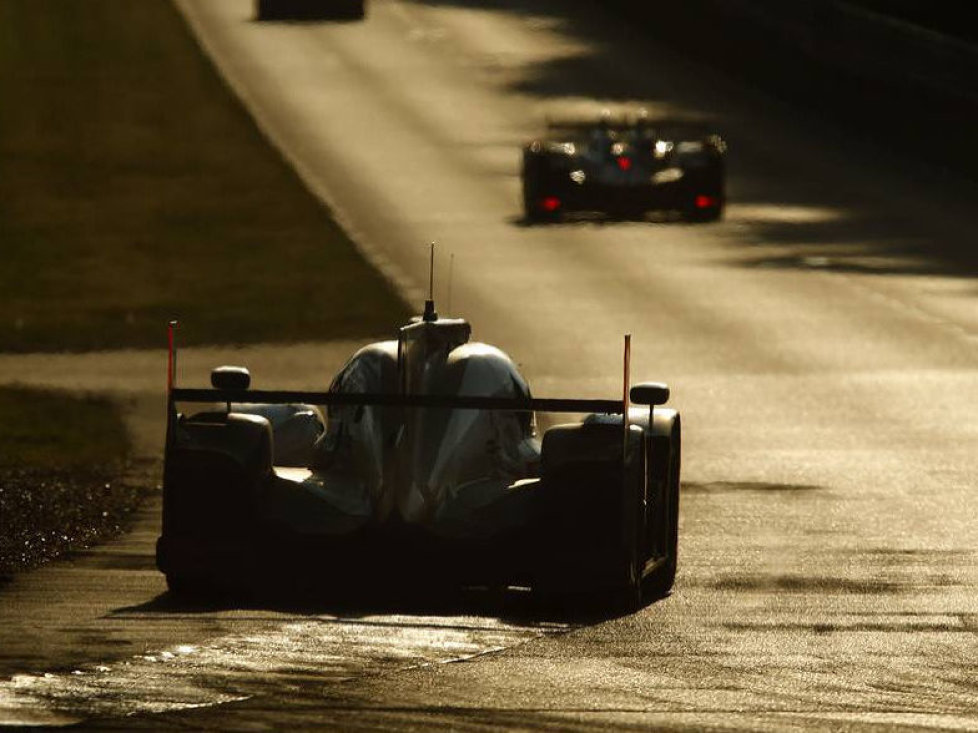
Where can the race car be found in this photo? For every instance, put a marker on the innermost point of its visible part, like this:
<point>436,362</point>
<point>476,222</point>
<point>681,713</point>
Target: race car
<point>624,168</point>
<point>420,467</point>
<point>310,9</point>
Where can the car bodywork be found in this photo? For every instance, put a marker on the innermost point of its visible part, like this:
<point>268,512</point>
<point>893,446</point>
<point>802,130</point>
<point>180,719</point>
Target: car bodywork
<point>624,167</point>
<point>425,469</point>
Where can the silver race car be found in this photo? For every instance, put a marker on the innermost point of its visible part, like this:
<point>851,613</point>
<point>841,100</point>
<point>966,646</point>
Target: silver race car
<point>419,467</point>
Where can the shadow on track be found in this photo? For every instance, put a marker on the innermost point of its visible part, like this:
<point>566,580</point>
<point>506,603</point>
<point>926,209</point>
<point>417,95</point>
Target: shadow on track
<point>510,605</point>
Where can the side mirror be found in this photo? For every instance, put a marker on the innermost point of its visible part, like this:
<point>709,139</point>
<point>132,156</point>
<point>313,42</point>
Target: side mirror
<point>232,378</point>
<point>649,393</point>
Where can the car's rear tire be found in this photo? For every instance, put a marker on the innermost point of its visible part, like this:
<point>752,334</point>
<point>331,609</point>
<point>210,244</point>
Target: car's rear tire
<point>356,10</point>
<point>708,185</point>
<point>625,598</point>
<point>703,215</point>
<point>532,198</point>
<point>587,519</point>
<point>535,212</point>
<point>535,177</point>
<point>267,10</point>
<point>186,587</point>
<point>665,469</point>
<point>694,211</point>
<point>631,595</point>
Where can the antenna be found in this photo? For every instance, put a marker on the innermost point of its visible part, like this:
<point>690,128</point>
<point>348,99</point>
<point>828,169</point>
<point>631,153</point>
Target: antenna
<point>626,383</point>
<point>429,305</point>
<point>171,361</point>
<point>451,270</point>
<point>171,379</point>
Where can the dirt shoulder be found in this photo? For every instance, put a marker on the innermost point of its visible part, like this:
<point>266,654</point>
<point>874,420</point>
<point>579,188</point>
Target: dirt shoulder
<point>64,461</point>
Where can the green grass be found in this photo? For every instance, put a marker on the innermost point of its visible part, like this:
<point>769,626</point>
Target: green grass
<point>134,189</point>
<point>56,431</point>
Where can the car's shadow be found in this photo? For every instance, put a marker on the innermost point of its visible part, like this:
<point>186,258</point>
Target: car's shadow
<point>511,605</point>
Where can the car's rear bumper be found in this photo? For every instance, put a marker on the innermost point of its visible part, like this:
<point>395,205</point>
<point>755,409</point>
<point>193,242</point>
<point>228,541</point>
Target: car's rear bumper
<point>373,560</point>
<point>361,558</point>
<point>622,198</point>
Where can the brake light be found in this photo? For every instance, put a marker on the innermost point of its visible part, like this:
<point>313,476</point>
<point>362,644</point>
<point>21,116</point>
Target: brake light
<point>551,203</point>
<point>706,202</point>
<point>624,163</point>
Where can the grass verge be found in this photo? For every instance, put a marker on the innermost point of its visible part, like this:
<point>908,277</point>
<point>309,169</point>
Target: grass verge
<point>134,188</point>
<point>60,458</point>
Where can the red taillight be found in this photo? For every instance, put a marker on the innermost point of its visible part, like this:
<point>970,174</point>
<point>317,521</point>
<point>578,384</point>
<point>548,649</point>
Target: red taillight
<point>624,163</point>
<point>551,203</point>
<point>706,202</point>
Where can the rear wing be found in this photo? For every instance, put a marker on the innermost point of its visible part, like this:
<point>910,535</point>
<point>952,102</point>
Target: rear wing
<point>231,385</point>
<point>328,399</point>
<point>666,127</point>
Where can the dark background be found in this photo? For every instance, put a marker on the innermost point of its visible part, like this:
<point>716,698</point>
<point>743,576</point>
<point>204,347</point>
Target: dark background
<point>898,74</point>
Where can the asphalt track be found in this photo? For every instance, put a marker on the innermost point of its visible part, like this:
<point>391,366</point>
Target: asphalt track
<point>821,342</point>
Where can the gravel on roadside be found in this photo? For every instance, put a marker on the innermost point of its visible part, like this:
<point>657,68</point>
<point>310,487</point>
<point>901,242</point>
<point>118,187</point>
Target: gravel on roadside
<point>47,513</point>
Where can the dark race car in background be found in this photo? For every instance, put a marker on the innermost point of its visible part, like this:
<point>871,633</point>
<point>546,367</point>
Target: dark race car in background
<point>624,168</point>
<point>310,9</point>
<point>425,471</point>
